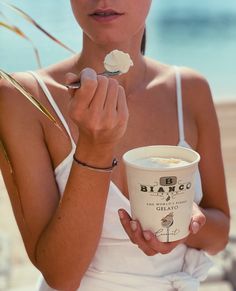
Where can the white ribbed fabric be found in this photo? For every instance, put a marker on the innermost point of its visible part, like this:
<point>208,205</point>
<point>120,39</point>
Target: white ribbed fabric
<point>118,264</point>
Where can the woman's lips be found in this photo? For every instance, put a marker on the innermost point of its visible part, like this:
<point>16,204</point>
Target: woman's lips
<point>105,15</point>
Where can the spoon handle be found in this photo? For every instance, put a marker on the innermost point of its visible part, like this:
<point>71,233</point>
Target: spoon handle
<point>76,85</point>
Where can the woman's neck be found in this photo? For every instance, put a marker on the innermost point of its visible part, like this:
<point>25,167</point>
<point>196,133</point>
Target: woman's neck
<point>93,55</point>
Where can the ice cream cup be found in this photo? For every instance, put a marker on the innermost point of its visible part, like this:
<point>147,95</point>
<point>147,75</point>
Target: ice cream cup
<point>161,185</point>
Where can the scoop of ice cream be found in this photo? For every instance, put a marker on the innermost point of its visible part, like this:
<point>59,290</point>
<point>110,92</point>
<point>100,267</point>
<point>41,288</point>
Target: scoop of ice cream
<point>118,61</point>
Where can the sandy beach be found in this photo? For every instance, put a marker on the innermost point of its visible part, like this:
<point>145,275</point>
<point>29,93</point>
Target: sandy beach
<point>24,274</point>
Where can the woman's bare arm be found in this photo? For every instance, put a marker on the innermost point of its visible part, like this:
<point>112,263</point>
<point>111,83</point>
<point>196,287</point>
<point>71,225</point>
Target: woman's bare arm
<point>60,235</point>
<point>210,232</point>
<point>213,237</point>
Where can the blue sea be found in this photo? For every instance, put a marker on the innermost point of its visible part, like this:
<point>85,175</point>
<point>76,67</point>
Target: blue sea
<point>198,34</point>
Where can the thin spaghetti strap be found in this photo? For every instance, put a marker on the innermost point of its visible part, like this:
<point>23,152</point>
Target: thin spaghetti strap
<point>53,103</point>
<point>179,105</point>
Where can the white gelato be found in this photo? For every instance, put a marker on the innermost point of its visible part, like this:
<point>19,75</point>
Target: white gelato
<point>159,162</point>
<point>118,61</point>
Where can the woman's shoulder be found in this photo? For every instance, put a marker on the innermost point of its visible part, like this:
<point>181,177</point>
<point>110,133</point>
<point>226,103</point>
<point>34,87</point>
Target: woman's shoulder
<point>50,76</point>
<point>12,91</point>
<point>55,74</point>
<point>197,97</point>
<point>195,89</point>
<point>193,79</point>
<point>194,84</point>
<point>164,70</point>
<point>23,79</point>
<point>16,110</point>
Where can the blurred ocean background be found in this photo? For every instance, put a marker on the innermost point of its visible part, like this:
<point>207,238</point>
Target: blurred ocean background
<point>198,34</point>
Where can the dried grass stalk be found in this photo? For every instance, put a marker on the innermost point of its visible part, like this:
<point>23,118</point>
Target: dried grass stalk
<point>20,33</point>
<point>16,192</point>
<point>40,107</point>
<point>28,95</point>
<point>2,148</point>
<point>19,87</point>
<point>34,23</point>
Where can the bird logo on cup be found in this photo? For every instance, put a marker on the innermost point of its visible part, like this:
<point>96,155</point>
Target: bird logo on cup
<point>167,221</point>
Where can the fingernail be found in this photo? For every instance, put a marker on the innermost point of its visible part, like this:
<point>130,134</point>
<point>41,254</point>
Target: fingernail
<point>133,225</point>
<point>70,77</point>
<point>89,73</point>
<point>121,214</point>
<point>195,227</point>
<point>147,235</point>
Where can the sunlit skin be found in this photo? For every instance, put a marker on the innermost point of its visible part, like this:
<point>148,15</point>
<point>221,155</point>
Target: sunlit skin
<point>107,117</point>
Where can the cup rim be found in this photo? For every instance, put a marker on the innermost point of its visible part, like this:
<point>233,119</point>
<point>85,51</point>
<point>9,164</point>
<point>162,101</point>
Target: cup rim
<point>127,157</point>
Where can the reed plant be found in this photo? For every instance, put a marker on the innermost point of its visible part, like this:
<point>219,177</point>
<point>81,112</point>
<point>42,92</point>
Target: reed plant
<point>6,23</point>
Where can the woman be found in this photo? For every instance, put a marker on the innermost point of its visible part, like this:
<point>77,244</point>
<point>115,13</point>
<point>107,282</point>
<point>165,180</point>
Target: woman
<point>67,213</point>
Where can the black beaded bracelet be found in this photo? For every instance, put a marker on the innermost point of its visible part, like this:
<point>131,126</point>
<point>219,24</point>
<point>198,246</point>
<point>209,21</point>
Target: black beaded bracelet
<point>98,169</point>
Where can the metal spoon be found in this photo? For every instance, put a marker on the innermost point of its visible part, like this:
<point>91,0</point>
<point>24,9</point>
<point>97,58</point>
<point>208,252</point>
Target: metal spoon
<point>76,85</point>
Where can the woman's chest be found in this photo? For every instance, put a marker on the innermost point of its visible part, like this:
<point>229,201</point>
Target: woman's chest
<point>152,124</point>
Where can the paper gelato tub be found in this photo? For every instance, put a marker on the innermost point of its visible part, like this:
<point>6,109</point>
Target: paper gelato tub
<point>161,184</point>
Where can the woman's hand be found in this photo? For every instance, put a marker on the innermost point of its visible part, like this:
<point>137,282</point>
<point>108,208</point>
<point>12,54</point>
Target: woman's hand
<point>98,108</point>
<point>147,241</point>
<point>198,219</point>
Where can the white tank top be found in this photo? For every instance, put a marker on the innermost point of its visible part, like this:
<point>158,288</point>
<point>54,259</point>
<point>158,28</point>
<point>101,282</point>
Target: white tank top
<point>118,264</point>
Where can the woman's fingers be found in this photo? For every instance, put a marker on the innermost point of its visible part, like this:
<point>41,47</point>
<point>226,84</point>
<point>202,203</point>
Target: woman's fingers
<point>198,219</point>
<point>135,234</point>
<point>83,96</point>
<point>87,90</point>
<point>71,78</point>
<point>146,240</point>
<point>158,246</point>
<point>103,89</point>
<point>98,107</point>
<point>125,220</point>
